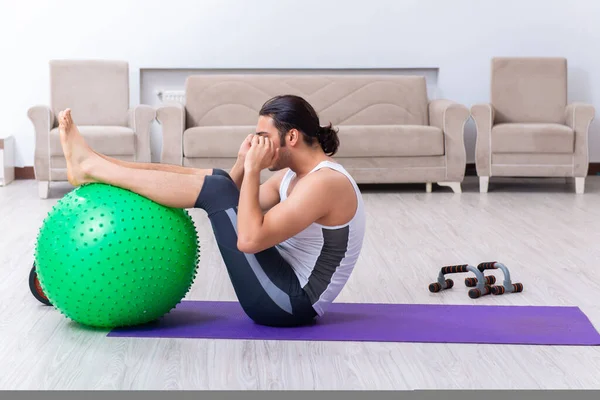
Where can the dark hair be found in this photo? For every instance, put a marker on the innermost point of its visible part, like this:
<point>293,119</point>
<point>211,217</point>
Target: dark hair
<point>293,112</point>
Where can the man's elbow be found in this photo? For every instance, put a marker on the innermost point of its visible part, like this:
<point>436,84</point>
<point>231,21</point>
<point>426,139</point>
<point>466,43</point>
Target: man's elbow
<point>248,246</point>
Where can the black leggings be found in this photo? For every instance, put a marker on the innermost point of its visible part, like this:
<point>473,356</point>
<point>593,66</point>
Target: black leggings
<point>265,284</point>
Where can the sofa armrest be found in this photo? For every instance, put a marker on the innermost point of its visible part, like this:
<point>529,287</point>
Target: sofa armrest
<point>578,117</point>
<point>483,115</point>
<point>451,117</point>
<point>172,119</point>
<point>140,119</point>
<point>43,120</point>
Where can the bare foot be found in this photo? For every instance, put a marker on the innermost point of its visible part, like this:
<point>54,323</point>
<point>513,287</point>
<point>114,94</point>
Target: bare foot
<point>80,157</point>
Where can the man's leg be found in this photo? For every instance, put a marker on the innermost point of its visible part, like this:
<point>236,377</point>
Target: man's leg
<point>157,166</point>
<point>265,284</point>
<point>85,166</point>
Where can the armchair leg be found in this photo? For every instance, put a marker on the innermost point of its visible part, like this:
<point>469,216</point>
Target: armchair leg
<point>483,184</point>
<point>580,185</point>
<point>428,187</point>
<point>455,186</point>
<point>43,189</point>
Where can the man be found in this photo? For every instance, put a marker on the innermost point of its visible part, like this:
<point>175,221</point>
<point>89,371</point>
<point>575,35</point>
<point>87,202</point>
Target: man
<point>289,244</point>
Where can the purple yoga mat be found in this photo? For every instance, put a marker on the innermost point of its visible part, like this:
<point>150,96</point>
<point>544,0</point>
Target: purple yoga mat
<point>532,325</point>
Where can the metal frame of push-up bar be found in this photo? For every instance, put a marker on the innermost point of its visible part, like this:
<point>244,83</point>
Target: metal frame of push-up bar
<point>482,285</point>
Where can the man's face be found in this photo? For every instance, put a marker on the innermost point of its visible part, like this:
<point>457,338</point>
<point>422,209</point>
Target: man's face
<point>266,128</point>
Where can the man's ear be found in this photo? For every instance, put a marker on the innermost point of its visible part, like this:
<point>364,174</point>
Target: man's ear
<point>294,136</point>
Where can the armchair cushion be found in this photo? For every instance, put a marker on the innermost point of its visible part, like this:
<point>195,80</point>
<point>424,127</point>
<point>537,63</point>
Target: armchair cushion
<point>96,90</point>
<point>529,89</point>
<point>109,140</point>
<point>532,138</point>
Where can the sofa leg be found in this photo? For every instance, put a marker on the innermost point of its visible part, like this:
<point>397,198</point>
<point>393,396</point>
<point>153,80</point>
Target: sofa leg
<point>43,189</point>
<point>579,185</point>
<point>455,186</point>
<point>428,187</point>
<point>483,184</point>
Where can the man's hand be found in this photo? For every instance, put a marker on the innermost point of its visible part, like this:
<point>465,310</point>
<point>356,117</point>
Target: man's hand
<point>261,155</point>
<point>237,171</point>
<point>245,146</point>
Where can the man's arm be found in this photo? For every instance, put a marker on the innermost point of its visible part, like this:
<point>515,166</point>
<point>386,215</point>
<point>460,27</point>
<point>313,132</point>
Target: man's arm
<point>237,172</point>
<point>268,192</point>
<point>309,202</point>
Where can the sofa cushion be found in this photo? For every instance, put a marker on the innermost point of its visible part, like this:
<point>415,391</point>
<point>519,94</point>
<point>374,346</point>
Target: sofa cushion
<point>235,99</point>
<point>532,138</point>
<point>215,141</point>
<point>109,140</point>
<point>390,141</point>
<point>355,141</point>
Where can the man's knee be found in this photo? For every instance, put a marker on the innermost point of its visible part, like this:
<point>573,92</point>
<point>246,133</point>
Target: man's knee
<point>218,193</point>
<point>221,172</point>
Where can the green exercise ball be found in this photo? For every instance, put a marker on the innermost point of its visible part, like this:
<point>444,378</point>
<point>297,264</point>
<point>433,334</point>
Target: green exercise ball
<point>107,257</point>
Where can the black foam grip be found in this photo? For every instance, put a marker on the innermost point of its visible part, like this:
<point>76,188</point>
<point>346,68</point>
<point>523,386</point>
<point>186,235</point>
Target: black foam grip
<point>449,283</point>
<point>472,282</point>
<point>517,287</point>
<point>487,265</point>
<point>435,287</point>
<point>453,269</point>
<point>36,288</point>
<point>476,293</point>
<point>498,290</point>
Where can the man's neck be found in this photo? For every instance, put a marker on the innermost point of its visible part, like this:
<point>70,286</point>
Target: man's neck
<point>306,162</point>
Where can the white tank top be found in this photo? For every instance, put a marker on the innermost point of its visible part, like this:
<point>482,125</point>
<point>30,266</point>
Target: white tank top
<point>323,257</point>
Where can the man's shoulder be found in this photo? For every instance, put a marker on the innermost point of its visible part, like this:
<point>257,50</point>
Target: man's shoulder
<point>325,180</point>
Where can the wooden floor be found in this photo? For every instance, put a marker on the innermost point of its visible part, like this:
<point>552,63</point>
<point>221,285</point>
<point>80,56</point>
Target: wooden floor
<point>547,235</point>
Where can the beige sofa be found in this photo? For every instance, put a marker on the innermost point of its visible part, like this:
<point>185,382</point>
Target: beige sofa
<point>98,94</point>
<point>528,129</point>
<point>389,130</point>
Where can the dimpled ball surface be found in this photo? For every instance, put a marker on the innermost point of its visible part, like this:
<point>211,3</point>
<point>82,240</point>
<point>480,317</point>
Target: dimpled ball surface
<point>107,257</point>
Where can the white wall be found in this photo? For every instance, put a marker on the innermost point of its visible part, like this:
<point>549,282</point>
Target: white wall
<point>459,37</point>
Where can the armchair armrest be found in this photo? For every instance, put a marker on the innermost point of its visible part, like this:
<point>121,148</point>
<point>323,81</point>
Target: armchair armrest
<point>579,116</point>
<point>43,120</point>
<point>140,119</point>
<point>172,119</point>
<point>451,117</point>
<point>483,115</point>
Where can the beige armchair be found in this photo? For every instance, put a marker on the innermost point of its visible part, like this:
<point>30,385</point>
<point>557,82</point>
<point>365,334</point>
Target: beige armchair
<point>390,132</point>
<point>97,92</point>
<point>528,129</point>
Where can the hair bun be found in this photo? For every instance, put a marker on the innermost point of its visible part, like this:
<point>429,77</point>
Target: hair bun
<point>328,139</point>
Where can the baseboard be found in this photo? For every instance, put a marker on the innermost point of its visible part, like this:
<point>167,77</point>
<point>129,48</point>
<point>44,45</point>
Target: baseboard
<point>470,170</point>
<point>29,173</point>
<point>24,173</point>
